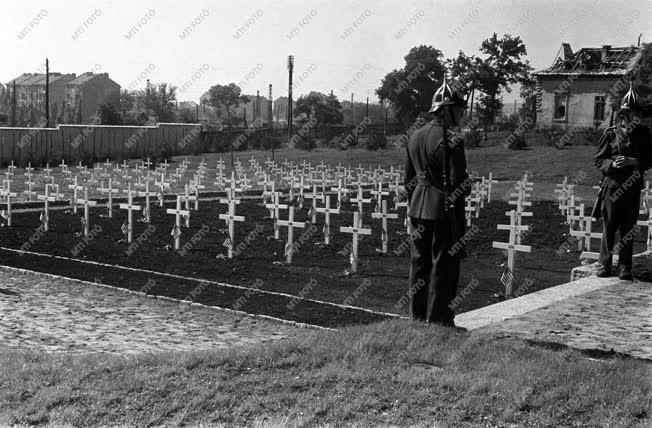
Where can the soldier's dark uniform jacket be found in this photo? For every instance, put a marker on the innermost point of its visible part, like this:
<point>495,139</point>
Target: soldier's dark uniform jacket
<point>434,270</point>
<point>621,189</point>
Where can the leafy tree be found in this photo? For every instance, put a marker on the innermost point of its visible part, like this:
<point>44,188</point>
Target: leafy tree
<point>325,109</point>
<point>185,116</point>
<point>466,72</point>
<point>410,89</point>
<point>161,100</point>
<point>501,67</point>
<point>128,99</point>
<point>529,96</point>
<point>641,77</point>
<point>226,98</point>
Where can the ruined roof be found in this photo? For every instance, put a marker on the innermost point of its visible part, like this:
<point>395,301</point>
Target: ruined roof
<point>604,61</point>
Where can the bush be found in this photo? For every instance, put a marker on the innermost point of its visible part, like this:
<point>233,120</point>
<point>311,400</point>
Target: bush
<point>306,142</point>
<point>256,140</point>
<point>376,141</point>
<point>592,135</point>
<point>472,138</point>
<point>271,142</point>
<point>516,140</point>
<point>346,140</point>
<point>556,137</point>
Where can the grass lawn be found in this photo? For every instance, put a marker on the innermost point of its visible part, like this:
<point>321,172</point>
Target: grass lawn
<point>397,372</point>
<point>544,163</point>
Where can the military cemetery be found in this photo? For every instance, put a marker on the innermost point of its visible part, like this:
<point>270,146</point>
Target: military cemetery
<point>463,241</point>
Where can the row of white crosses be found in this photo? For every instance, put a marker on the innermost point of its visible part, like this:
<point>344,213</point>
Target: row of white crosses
<point>646,210</point>
<point>516,229</point>
<point>320,179</point>
<point>580,224</point>
<point>520,196</point>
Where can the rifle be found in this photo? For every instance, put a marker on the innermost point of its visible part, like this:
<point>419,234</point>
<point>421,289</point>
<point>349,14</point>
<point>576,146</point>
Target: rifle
<point>456,231</point>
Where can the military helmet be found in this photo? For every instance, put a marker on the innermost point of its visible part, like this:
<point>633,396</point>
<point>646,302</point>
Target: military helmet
<point>630,100</point>
<point>445,96</point>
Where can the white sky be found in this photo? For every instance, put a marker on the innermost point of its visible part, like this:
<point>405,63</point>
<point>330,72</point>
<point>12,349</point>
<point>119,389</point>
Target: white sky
<point>326,55</point>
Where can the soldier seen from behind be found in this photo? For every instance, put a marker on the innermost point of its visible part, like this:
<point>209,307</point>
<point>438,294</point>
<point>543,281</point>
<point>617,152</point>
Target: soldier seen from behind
<point>436,182</point>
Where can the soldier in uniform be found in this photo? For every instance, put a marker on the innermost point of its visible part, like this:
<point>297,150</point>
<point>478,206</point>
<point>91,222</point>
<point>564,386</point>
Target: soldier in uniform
<point>623,155</point>
<point>436,191</point>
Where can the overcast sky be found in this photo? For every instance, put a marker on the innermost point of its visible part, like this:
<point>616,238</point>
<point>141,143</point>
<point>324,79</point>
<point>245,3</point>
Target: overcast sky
<point>346,46</point>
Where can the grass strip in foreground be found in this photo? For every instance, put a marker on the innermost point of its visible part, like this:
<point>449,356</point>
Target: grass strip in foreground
<point>394,372</point>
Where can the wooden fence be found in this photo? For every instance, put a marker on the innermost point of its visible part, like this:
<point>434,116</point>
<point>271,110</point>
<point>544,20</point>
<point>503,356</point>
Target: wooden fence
<point>88,143</point>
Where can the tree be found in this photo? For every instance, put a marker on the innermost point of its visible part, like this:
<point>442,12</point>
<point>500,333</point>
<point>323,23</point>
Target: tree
<point>466,73</point>
<point>185,116</point>
<point>410,89</point>
<point>226,98</point>
<point>108,115</point>
<point>325,109</point>
<point>529,96</point>
<point>501,67</point>
<point>127,99</point>
<point>161,101</point>
<point>641,78</point>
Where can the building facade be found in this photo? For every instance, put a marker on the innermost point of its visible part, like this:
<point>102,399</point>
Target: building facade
<point>577,89</point>
<point>87,92</point>
<point>30,96</point>
<point>73,99</point>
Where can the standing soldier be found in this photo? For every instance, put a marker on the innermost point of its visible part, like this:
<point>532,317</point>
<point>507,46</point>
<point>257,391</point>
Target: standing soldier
<point>623,155</point>
<point>436,182</point>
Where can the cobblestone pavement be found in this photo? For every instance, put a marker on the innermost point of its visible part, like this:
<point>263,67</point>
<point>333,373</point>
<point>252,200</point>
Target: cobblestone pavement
<point>55,315</point>
<point>614,318</point>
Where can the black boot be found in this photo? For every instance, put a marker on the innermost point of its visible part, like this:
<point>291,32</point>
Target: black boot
<point>603,272</point>
<point>625,273</point>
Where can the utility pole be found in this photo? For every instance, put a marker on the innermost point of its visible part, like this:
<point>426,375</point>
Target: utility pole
<point>47,93</point>
<point>290,70</point>
<point>147,98</point>
<point>269,108</point>
<point>367,110</point>
<point>13,104</point>
<point>352,117</point>
<point>257,106</point>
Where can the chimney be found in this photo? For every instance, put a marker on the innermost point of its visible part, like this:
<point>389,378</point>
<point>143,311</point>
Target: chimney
<point>567,52</point>
<point>605,52</point>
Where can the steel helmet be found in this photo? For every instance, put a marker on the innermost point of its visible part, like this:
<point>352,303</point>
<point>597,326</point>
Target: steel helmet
<point>445,96</point>
<point>630,100</point>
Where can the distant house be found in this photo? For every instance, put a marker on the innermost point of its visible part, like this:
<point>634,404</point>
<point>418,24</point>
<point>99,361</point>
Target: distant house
<point>575,90</point>
<point>30,94</point>
<point>71,96</point>
<point>85,93</point>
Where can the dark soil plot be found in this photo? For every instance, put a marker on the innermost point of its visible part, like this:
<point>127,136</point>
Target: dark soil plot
<point>317,272</point>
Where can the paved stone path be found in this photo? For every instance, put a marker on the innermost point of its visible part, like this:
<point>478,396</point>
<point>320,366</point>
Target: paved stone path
<point>55,315</point>
<point>616,318</point>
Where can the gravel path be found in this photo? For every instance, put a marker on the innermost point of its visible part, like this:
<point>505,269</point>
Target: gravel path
<point>55,315</point>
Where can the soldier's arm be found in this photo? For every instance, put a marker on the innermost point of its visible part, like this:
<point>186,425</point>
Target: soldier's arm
<point>459,176</point>
<point>410,175</point>
<point>604,157</point>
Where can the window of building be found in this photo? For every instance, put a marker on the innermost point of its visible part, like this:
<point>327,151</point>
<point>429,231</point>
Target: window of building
<point>599,108</point>
<point>561,103</point>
